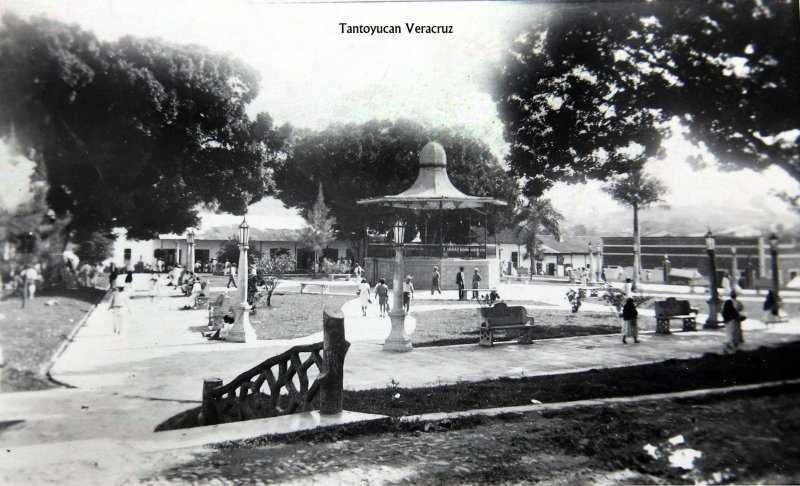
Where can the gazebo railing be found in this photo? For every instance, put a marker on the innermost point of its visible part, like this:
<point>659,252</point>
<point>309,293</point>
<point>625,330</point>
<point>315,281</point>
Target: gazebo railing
<point>424,250</point>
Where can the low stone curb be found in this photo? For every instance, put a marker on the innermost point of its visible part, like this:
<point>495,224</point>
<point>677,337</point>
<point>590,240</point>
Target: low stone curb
<point>594,402</point>
<point>44,370</point>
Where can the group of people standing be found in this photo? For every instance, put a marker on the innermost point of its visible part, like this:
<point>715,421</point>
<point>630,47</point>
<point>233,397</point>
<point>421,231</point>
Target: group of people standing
<point>732,313</point>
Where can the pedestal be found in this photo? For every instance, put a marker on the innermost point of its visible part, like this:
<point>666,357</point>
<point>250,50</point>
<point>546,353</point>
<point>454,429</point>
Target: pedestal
<point>398,341</point>
<point>714,305</point>
<point>241,331</point>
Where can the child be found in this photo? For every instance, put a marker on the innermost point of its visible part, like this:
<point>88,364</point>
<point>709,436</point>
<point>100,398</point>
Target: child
<point>408,293</point>
<point>630,327</point>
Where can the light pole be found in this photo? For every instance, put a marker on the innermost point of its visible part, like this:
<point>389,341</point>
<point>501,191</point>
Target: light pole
<point>398,339</point>
<point>592,275</point>
<point>242,331</point>
<point>713,303</point>
<point>190,249</point>
<point>776,283</point>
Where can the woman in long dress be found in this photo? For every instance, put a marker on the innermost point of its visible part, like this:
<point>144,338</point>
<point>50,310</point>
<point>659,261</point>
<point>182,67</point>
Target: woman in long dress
<point>630,326</point>
<point>364,295</point>
<point>119,309</point>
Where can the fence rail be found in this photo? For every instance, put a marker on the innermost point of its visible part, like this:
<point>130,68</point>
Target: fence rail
<point>423,250</point>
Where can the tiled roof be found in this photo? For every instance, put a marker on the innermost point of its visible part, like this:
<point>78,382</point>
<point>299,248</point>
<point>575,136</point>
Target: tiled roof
<point>225,232</point>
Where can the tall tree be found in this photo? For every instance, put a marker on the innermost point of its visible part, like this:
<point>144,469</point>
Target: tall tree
<point>377,158</point>
<point>591,81</point>
<point>134,133</point>
<point>637,190</point>
<point>531,220</point>
<point>318,231</point>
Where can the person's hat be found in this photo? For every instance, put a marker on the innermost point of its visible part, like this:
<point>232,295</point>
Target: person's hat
<point>476,269</point>
<point>436,268</point>
<point>409,277</point>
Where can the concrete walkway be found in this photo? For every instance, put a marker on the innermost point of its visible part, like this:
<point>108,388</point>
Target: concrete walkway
<point>126,385</point>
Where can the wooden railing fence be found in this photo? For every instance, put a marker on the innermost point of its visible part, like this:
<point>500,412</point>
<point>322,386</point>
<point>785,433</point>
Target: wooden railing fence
<point>244,399</point>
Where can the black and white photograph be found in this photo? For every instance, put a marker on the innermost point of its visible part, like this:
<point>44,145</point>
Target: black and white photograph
<point>379,242</point>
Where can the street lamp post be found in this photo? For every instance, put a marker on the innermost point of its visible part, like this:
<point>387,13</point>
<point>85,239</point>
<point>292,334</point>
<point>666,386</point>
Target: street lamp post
<point>713,303</point>
<point>591,264</point>
<point>398,340</point>
<point>776,283</point>
<point>242,331</point>
<point>190,249</point>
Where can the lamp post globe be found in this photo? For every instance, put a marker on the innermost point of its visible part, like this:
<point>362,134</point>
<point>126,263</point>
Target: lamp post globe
<point>398,340</point>
<point>242,331</point>
<point>190,249</point>
<point>713,302</point>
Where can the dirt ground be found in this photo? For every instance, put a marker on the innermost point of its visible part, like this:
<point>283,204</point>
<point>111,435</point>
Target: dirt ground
<point>747,439</point>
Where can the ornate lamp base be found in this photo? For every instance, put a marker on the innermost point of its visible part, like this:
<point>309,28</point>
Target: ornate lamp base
<point>241,331</point>
<point>713,311</point>
<point>398,341</point>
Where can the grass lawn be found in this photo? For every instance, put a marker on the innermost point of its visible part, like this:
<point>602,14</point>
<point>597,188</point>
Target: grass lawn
<point>460,326</point>
<point>293,315</point>
<point>30,336</point>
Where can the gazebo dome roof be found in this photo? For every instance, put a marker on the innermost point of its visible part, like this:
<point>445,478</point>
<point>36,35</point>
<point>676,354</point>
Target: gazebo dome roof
<point>433,189</point>
<point>432,155</point>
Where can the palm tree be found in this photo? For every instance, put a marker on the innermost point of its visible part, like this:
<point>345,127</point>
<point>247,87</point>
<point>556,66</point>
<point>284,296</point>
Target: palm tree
<point>531,220</point>
<point>637,190</point>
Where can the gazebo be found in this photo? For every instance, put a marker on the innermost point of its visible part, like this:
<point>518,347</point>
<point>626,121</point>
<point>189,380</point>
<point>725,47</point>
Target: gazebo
<point>432,191</point>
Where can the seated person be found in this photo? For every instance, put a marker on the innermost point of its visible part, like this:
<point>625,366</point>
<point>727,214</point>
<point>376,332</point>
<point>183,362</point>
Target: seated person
<point>214,335</point>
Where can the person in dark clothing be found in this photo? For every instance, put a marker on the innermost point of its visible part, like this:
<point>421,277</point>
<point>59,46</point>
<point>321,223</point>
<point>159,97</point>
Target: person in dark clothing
<point>771,309</point>
<point>112,278</point>
<point>733,317</point>
<point>460,283</point>
<point>630,326</point>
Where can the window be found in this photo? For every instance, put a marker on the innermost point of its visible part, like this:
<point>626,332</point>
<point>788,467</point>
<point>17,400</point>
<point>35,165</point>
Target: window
<point>127,254</point>
<point>331,254</point>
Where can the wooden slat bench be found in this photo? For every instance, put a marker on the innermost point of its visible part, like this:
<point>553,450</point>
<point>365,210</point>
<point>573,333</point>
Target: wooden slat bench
<point>323,286</point>
<point>334,276</point>
<point>501,317</point>
<point>468,292</point>
<point>672,308</point>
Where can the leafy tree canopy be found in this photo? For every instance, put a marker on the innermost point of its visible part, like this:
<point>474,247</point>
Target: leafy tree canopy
<point>586,93</point>
<point>377,158</point>
<point>134,133</point>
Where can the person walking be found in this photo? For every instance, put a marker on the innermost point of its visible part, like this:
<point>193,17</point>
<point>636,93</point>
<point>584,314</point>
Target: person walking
<point>112,277</point>
<point>129,277</point>
<point>155,286</point>
<point>630,326</point>
<point>382,291</point>
<point>771,310</point>
<point>364,295</point>
<point>733,317</point>
<point>408,293</point>
<point>476,283</point>
<point>436,284</point>
<point>358,271</point>
<point>231,277</point>
<point>460,283</point>
<point>119,309</point>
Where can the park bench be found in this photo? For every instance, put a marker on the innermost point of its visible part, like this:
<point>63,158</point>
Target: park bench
<point>501,317</point>
<point>481,290</point>
<point>217,310</point>
<point>334,276</point>
<point>672,308</point>
<point>323,286</point>
<point>510,278</point>
<point>591,290</point>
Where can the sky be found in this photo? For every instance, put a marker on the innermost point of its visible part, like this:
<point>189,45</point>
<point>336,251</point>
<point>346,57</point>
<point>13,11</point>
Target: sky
<point>313,75</point>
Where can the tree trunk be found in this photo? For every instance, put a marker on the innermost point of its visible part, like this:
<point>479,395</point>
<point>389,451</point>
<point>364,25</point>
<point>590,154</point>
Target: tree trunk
<point>637,247</point>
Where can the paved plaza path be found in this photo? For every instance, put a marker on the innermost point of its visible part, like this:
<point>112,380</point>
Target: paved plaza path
<point>123,386</point>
